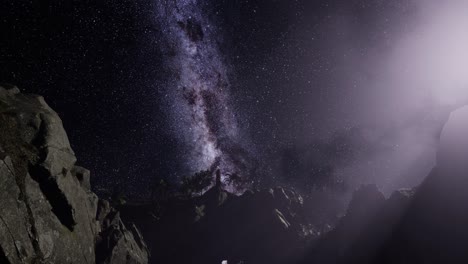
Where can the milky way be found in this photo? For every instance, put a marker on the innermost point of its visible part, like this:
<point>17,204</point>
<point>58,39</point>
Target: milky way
<point>199,90</point>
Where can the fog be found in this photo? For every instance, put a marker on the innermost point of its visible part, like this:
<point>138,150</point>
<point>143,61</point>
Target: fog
<point>390,92</point>
<point>432,60</point>
<point>423,77</point>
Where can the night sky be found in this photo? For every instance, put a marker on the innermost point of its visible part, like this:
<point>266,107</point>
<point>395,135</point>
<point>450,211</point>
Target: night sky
<point>306,93</point>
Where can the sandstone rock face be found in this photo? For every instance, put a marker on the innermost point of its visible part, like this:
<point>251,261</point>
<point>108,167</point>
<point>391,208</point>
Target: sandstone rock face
<point>48,212</point>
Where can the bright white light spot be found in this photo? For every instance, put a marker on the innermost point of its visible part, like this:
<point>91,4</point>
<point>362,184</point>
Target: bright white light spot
<point>434,57</point>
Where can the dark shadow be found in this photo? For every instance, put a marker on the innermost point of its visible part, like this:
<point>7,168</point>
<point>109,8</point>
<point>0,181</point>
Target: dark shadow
<point>57,199</point>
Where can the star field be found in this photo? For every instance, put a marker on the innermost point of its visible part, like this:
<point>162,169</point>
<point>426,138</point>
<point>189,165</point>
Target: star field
<point>284,92</point>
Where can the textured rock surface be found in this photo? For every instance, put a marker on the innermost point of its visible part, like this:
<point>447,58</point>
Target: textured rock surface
<point>115,244</point>
<point>49,214</point>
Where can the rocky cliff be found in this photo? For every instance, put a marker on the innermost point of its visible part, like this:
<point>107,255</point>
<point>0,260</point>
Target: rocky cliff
<point>48,212</point>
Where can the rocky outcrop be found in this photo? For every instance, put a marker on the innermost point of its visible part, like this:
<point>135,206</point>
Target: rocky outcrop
<point>115,244</point>
<point>49,214</point>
